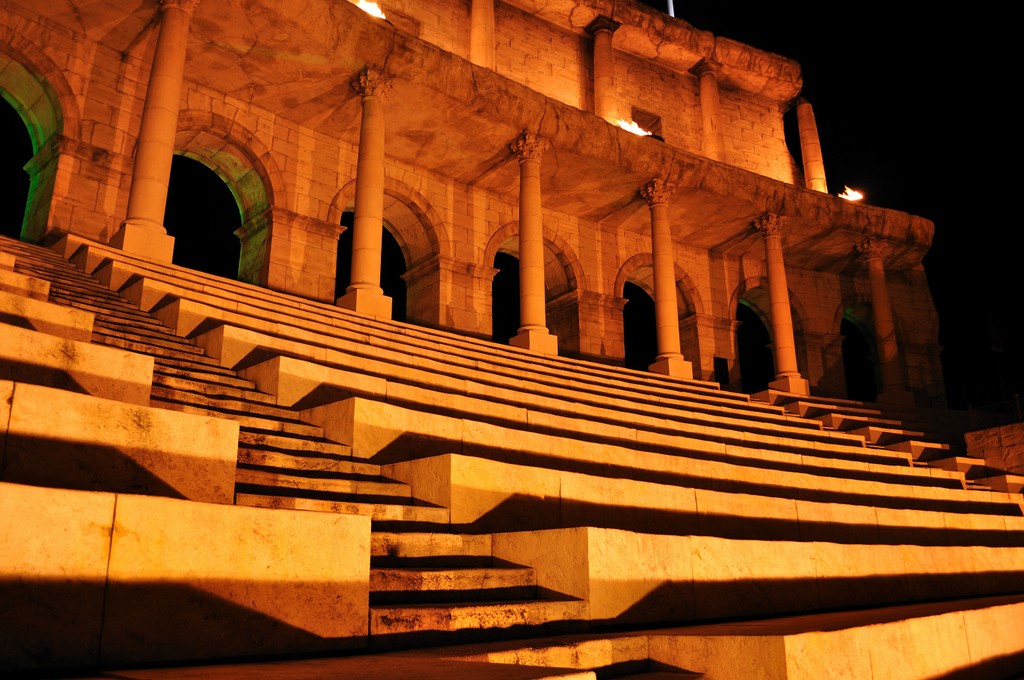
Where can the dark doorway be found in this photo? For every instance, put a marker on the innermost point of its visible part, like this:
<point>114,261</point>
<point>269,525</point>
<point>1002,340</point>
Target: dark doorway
<point>505,298</point>
<point>392,267</point>
<point>753,349</point>
<point>17,151</point>
<point>858,363</point>
<point>202,216</point>
<point>639,327</point>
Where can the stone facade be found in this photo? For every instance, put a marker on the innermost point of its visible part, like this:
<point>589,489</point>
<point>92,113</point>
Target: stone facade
<point>267,102</point>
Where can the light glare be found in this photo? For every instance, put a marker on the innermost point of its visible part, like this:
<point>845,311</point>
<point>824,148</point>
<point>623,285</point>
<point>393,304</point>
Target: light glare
<point>371,8</point>
<point>631,126</point>
<point>851,194</point>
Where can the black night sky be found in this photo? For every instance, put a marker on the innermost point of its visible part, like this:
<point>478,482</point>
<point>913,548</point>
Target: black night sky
<point>910,102</point>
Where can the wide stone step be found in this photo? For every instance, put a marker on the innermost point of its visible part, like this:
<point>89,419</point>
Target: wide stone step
<point>424,585</point>
<point>305,461</point>
<point>296,482</point>
<point>173,351</point>
<point>378,511</point>
<point>251,422</point>
<point>224,404</point>
<point>408,623</point>
<point>199,367</point>
<point>256,439</point>
<point>412,546</point>
<point>218,389</point>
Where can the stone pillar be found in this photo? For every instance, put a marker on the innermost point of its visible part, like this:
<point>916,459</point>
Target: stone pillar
<point>666,306</point>
<point>787,376</point>
<point>605,106</point>
<point>533,332</point>
<point>142,232</point>
<point>810,147</point>
<point>892,391</point>
<point>481,33</point>
<point>710,109</point>
<point>364,294</point>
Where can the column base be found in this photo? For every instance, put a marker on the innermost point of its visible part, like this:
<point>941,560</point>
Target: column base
<point>536,340</point>
<point>366,301</point>
<point>896,397</point>
<point>793,384</point>
<point>144,241</point>
<point>673,366</point>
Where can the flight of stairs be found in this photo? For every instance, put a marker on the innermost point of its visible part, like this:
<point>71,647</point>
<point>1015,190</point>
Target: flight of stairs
<point>642,458</point>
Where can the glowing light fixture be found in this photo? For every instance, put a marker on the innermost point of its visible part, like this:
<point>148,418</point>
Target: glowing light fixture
<point>371,8</point>
<point>630,126</point>
<point>851,194</point>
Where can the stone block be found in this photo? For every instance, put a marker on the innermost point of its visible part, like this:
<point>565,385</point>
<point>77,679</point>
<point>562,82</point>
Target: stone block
<point>45,317</point>
<point>105,445</point>
<point>195,580</point>
<point>304,384</point>
<point>382,432</point>
<point>143,242</point>
<point>101,371</point>
<point>54,551</point>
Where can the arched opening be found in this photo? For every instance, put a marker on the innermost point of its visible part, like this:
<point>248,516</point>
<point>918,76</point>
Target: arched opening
<point>858,359</point>
<point>392,266</point>
<point>202,216</point>
<point>17,151</point>
<point>505,297</point>
<point>639,327</point>
<point>753,349</point>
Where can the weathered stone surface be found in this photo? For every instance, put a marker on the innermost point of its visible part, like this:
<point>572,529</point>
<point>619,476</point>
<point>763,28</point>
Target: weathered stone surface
<point>38,315</point>
<point>43,359</point>
<point>285,582</point>
<point>54,552</point>
<point>105,445</point>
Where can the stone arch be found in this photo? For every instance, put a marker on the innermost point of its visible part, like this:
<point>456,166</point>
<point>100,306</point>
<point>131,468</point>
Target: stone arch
<point>411,219</point>
<point>639,270</point>
<point>237,156</point>
<point>37,90</point>
<point>689,295</point>
<point>754,290</point>
<point>564,278</point>
<point>248,170</point>
<point>422,238</point>
<point>563,271</point>
<point>856,311</point>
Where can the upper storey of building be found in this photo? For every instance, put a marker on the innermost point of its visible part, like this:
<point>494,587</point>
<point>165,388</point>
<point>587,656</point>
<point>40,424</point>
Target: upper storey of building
<point>452,112</point>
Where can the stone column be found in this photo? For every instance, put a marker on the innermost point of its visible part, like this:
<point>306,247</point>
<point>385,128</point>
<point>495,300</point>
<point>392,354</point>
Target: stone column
<point>666,306</point>
<point>810,147</point>
<point>481,33</point>
<point>787,376</point>
<point>605,106</point>
<point>533,332</point>
<point>143,232</point>
<point>710,109</point>
<point>364,294</point>
<point>892,391</point>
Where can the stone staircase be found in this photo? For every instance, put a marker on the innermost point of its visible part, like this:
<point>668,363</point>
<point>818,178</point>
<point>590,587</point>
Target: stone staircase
<point>285,462</point>
<point>511,495</point>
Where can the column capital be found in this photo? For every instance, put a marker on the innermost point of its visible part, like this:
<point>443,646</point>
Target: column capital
<point>705,66</point>
<point>657,191</point>
<point>602,23</point>
<point>372,82</point>
<point>871,248</point>
<point>770,224</point>
<point>528,146</point>
<point>187,6</point>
